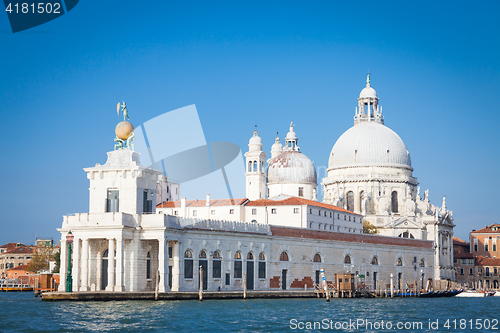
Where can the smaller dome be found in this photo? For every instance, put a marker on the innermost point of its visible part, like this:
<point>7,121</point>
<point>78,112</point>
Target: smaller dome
<point>291,167</point>
<point>255,139</point>
<point>368,92</point>
<point>277,146</point>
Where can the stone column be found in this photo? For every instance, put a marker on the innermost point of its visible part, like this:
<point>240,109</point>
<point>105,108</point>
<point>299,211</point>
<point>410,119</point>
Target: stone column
<point>111,265</point>
<point>98,274</point>
<point>63,265</point>
<point>75,271</point>
<point>163,264</point>
<point>119,265</point>
<point>176,271</point>
<point>85,265</point>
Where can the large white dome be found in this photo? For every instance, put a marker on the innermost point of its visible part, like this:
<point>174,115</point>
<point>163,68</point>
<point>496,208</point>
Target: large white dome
<point>369,143</point>
<point>291,167</point>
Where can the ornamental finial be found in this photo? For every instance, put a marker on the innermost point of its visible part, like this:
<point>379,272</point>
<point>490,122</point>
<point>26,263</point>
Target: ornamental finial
<point>368,80</point>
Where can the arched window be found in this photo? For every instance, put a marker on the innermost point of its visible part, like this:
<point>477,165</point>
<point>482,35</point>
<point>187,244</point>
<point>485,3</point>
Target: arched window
<point>148,266</point>
<point>487,271</point>
<point>375,261</point>
<point>350,201</point>
<point>250,256</point>
<point>216,264</point>
<point>284,256</point>
<point>262,265</point>
<point>347,259</point>
<point>399,262</point>
<point>422,263</point>
<point>203,254</point>
<point>255,166</point>
<point>317,257</point>
<point>238,266</point>
<point>361,200</point>
<point>394,201</point>
<point>188,264</point>
<point>249,166</point>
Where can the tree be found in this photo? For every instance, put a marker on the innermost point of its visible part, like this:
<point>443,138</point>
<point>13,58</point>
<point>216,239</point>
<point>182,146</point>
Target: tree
<point>369,228</point>
<point>40,260</point>
<point>57,258</point>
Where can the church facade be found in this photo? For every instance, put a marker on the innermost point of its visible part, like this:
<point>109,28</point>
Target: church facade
<point>369,172</point>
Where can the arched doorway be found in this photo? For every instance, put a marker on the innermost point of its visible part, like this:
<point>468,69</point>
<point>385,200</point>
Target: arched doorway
<point>104,271</point>
<point>250,271</point>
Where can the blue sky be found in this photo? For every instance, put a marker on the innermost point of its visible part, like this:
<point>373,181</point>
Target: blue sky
<point>435,66</point>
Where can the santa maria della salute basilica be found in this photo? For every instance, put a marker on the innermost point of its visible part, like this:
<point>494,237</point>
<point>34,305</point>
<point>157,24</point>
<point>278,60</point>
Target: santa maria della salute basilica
<point>369,173</point>
<point>279,236</point>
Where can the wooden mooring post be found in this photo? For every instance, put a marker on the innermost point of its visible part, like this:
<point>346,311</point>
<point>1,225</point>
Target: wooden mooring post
<point>200,293</point>
<point>244,285</point>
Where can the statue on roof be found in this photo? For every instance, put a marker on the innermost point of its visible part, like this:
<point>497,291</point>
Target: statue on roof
<point>124,110</point>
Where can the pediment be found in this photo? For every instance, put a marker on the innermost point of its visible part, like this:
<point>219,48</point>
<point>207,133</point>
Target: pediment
<point>406,223</point>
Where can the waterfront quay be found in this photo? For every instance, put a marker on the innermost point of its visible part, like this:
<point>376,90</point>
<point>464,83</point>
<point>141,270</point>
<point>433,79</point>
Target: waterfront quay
<point>184,295</point>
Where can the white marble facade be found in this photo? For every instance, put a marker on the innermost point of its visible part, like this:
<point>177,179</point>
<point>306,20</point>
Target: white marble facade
<point>147,244</point>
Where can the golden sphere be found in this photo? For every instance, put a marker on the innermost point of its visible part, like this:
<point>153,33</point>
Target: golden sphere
<point>123,130</point>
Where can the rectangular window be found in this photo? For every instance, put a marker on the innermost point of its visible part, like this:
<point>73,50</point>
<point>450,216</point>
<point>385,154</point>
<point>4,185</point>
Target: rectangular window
<point>455,260</point>
<point>273,211</point>
<point>301,191</point>
<point>494,247</point>
<point>195,213</point>
<point>147,205</point>
<point>176,212</point>
<point>216,269</point>
<point>471,271</point>
<point>238,267</point>
<point>475,247</point>
<point>486,249</point>
<point>212,212</point>
<point>170,252</point>
<point>319,212</point>
<point>148,269</point>
<point>113,201</point>
<point>188,268</point>
<point>296,210</point>
<point>228,279</point>
<point>310,211</point>
<point>254,211</point>
<point>262,269</point>
<point>231,211</point>
<point>461,271</point>
<point>495,271</point>
<point>330,214</point>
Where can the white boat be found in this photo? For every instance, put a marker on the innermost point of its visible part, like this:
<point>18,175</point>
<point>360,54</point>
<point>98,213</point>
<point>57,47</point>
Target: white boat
<point>497,293</point>
<point>474,293</point>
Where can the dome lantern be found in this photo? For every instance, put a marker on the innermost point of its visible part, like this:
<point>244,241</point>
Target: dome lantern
<point>368,109</point>
<point>291,140</point>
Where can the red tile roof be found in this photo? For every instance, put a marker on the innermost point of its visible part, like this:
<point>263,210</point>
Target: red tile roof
<point>10,246</point>
<point>488,229</point>
<point>203,203</point>
<point>18,268</point>
<point>293,201</point>
<point>458,241</point>
<point>19,250</point>
<point>483,261</point>
<point>348,237</point>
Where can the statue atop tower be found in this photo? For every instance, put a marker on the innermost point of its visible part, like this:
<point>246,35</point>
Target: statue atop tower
<point>124,130</point>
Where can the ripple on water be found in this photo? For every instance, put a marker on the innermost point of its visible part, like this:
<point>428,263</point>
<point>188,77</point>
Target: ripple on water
<point>21,312</point>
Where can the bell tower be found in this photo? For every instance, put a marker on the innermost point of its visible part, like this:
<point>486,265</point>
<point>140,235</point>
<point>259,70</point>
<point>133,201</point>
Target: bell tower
<point>255,169</point>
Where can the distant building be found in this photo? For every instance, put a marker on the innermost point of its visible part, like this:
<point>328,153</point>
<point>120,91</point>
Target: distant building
<point>13,255</point>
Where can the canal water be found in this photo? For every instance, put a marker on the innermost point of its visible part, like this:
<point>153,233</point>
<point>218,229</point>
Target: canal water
<point>22,312</point>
